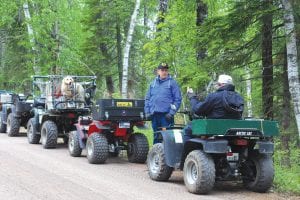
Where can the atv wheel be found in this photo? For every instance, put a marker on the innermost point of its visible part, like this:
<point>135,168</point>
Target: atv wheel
<point>73,144</point>
<point>97,148</point>
<point>13,125</point>
<point>258,173</point>
<point>199,172</point>
<point>2,125</point>
<point>32,135</point>
<point>138,148</point>
<point>156,163</point>
<point>49,134</point>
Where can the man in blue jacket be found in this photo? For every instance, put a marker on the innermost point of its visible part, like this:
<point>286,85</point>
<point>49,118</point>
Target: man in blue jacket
<point>224,103</point>
<point>162,100</point>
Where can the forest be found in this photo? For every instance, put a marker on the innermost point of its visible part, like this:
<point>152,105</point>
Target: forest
<point>122,42</point>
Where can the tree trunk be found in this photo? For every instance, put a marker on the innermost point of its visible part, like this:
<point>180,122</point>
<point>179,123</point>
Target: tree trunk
<point>201,16</point>
<point>249,92</point>
<point>2,48</point>
<point>110,85</point>
<point>286,117</point>
<point>127,49</point>
<point>163,7</point>
<point>108,78</point>
<point>119,53</point>
<point>292,64</point>
<point>285,161</point>
<point>36,69</point>
<point>56,49</point>
<point>267,64</point>
<point>286,108</point>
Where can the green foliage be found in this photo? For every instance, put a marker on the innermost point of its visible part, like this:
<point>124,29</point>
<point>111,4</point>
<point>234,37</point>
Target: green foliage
<point>287,178</point>
<point>175,44</point>
<point>148,132</point>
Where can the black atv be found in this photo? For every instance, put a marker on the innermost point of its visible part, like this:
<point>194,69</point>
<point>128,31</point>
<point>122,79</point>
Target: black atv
<point>15,112</point>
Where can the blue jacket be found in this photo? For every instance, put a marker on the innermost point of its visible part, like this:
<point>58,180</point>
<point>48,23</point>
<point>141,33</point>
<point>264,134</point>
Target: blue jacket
<point>215,107</point>
<point>161,94</point>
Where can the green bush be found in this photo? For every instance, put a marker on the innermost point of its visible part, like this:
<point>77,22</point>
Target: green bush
<point>287,177</point>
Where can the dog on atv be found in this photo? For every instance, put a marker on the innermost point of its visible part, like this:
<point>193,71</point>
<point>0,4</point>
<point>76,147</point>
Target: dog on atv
<point>72,90</point>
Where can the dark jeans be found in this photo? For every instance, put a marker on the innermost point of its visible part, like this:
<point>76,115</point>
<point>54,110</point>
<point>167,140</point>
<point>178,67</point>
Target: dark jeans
<point>159,121</point>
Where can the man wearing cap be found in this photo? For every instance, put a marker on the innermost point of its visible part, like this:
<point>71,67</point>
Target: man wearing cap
<point>162,100</point>
<point>224,103</point>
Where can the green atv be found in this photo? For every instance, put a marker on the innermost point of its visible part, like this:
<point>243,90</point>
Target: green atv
<point>218,150</point>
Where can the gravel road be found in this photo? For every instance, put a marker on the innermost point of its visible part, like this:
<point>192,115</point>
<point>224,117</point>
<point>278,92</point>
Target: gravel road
<point>29,172</point>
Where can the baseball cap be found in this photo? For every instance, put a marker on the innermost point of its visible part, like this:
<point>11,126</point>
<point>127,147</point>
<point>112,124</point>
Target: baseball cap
<point>163,66</point>
<point>226,79</point>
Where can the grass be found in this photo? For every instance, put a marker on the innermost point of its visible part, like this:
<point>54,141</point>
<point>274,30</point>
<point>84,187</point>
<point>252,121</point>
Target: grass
<point>148,132</point>
<point>287,178</point>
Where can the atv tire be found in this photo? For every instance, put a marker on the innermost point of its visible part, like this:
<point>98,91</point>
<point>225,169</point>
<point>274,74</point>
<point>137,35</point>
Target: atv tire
<point>13,125</point>
<point>32,134</point>
<point>199,172</point>
<point>49,134</point>
<point>258,173</point>
<point>138,148</point>
<point>97,148</point>
<point>2,125</point>
<point>73,144</point>
<point>158,170</point>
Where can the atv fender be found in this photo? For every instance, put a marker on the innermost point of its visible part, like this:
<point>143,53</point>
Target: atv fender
<point>173,146</point>
<point>208,146</point>
<point>265,147</point>
<point>5,112</point>
<point>4,115</point>
<point>37,120</point>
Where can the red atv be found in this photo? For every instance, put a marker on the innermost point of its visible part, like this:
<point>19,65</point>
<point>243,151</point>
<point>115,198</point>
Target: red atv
<point>110,130</point>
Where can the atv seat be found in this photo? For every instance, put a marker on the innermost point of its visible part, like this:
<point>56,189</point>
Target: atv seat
<point>39,102</point>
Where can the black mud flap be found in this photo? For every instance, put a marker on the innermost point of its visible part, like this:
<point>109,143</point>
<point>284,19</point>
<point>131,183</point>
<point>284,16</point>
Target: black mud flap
<point>80,135</point>
<point>215,146</point>
<point>265,147</point>
<point>173,146</point>
<point>208,146</point>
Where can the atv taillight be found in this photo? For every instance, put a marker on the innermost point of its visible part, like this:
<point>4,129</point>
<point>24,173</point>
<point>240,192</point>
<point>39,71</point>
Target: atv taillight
<point>241,142</point>
<point>71,115</point>
<point>229,154</point>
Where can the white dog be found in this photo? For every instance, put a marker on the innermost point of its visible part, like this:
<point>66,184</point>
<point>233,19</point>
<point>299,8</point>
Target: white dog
<point>70,89</point>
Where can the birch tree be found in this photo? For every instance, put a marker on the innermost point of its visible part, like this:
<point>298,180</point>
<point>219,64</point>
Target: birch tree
<point>2,47</point>
<point>127,49</point>
<point>248,92</point>
<point>291,46</point>
<point>31,36</point>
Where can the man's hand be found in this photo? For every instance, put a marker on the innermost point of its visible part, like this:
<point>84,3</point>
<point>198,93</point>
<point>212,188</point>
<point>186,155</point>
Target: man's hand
<point>148,116</point>
<point>190,93</point>
<point>169,117</point>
